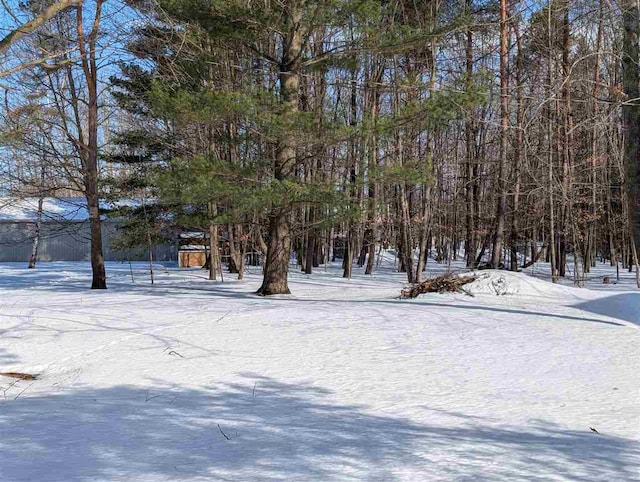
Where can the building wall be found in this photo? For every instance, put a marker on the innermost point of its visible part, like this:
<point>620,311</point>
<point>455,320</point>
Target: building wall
<point>68,241</point>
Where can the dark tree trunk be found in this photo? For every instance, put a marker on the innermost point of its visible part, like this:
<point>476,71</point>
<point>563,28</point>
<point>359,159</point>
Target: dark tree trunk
<point>310,252</point>
<point>504,119</point>
<point>276,266</point>
<point>631,115</point>
<point>470,241</point>
<point>89,151</point>
<point>99,278</point>
<point>517,153</point>
<point>279,243</point>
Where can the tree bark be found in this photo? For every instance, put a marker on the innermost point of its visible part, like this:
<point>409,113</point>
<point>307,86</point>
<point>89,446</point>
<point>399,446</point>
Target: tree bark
<point>470,239</point>
<point>631,115</point>
<point>504,126</point>
<point>36,237</point>
<point>38,226</point>
<point>517,152</point>
<point>279,242</point>
<point>551,207</point>
<point>89,151</point>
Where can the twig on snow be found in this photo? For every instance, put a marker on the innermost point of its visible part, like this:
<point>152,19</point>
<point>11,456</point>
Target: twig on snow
<point>147,398</point>
<point>25,389</point>
<point>222,317</point>
<point>171,351</point>
<point>4,392</point>
<point>223,434</point>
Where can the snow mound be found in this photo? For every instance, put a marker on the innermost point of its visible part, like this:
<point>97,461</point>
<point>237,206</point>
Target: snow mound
<point>494,283</point>
<point>497,282</point>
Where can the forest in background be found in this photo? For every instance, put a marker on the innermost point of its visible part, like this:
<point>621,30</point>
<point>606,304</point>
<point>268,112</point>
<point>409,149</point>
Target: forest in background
<point>505,130</point>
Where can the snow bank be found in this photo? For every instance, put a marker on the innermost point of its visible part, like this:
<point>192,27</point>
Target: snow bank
<point>497,282</point>
<point>494,282</point>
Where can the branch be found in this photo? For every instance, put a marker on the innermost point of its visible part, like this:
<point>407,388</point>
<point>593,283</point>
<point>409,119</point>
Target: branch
<point>32,25</point>
<point>42,62</point>
<point>224,434</point>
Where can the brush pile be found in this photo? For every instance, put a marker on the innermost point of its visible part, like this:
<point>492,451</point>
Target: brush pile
<point>441,284</point>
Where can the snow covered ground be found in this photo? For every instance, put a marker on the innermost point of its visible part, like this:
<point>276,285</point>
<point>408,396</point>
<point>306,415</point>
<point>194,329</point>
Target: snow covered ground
<point>196,380</point>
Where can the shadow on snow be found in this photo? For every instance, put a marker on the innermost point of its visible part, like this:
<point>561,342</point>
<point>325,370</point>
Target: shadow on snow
<point>623,306</point>
<point>264,429</point>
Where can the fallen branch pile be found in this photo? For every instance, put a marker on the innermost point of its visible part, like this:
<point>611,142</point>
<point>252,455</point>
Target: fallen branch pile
<point>441,284</point>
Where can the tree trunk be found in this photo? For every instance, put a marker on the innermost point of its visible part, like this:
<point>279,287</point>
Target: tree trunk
<point>504,126</point>
<point>99,278</point>
<point>567,148</point>
<point>310,253</point>
<point>279,242</point>
<point>551,207</point>
<point>353,179</point>
<point>470,241</point>
<point>276,266</point>
<point>213,243</point>
<point>517,153</point>
<point>89,151</point>
<point>592,224</point>
<point>631,115</point>
<point>36,237</point>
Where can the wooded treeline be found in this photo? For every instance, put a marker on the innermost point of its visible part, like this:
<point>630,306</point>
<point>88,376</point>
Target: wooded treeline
<point>503,131</point>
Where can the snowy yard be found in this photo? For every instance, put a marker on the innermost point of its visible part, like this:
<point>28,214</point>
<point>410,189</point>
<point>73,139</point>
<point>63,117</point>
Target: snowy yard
<point>196,380</point>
